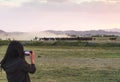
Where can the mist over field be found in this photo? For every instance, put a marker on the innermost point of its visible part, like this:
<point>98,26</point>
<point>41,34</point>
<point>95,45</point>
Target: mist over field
<point>28,35</point>
<point>55,34</point>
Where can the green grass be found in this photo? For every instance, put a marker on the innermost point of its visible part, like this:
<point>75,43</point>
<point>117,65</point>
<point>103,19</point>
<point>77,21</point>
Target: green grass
<point>76,52</point>
<point>77,75</point>
<point>73,64</point>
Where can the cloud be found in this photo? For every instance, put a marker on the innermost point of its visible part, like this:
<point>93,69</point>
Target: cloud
<point>17,3</point>
<point>58,1</point>
<point>106,1</point>
<point>95,6</point>
<point>84,6</point>
<point>12,3</point>
<point>81,1</point>
<point>112,1</point>
<point>58,13</point>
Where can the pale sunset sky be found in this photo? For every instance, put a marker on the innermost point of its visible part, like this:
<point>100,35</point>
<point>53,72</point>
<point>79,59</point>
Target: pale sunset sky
<point>40,15</point>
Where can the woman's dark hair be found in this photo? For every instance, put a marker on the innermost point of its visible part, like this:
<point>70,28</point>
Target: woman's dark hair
<point>15,49</point>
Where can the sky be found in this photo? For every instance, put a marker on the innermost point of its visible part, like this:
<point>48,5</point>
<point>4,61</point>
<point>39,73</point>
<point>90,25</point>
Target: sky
<point>40,15</point>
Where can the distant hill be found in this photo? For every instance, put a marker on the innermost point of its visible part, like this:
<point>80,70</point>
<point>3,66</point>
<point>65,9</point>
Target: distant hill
<point>113,30</point>
<point>52,33</point>
<point>86,33</point>
<point>1,31</point>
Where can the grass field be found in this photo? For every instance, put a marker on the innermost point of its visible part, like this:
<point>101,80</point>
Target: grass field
<point>73,64</point>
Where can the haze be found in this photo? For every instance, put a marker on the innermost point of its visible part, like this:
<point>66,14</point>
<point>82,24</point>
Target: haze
<point>40,15</point>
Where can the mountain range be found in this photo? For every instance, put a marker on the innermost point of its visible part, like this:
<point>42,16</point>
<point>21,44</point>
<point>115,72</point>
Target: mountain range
<point>88,33</point>
<point>52,33</point>
<point>113,30</point>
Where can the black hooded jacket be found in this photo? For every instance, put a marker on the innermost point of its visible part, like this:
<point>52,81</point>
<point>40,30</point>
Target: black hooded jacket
<point>17,70</point>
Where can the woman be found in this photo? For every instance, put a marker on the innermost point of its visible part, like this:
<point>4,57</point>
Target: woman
<point>15,65</point>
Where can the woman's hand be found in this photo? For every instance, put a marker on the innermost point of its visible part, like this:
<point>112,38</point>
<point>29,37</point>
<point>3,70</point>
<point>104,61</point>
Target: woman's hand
<point>32,57</point>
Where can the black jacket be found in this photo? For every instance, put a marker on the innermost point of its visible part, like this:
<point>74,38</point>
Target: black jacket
<point>17,70</point>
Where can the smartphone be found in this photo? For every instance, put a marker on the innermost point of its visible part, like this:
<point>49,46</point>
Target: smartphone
<point>27,52</point>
